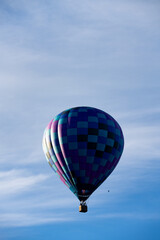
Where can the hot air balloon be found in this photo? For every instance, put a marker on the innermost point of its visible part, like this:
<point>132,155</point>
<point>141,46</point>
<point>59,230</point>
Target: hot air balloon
<point>83,146</point>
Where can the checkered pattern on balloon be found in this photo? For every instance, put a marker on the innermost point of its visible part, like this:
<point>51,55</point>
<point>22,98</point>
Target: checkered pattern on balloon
<point>83,146</point>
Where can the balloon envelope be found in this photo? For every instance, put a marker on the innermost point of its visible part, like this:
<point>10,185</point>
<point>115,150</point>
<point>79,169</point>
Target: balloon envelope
<point>83,146</point>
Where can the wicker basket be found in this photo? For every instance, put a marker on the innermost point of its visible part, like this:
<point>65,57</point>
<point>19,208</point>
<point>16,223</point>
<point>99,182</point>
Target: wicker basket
<point>83,208</point>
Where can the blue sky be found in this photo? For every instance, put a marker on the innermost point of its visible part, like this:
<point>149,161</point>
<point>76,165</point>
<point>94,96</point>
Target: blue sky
<point>60,54</point>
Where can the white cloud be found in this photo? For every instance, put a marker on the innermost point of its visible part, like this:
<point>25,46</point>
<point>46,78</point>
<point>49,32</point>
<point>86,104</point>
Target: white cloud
<point>24,219</point>
<point>27,199</point>
<point>54,55</point>
<point>135,215</point>
<point>142,142</point>
<point>18,181</point>
<point>137,113</point>
<point>121,13</point>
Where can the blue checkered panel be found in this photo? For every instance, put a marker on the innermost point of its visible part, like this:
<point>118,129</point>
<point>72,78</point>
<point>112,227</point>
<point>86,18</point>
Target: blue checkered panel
<point>83,145</point>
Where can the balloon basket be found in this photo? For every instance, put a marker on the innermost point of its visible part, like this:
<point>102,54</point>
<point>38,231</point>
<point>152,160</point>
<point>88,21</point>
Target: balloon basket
<point>83,207</point>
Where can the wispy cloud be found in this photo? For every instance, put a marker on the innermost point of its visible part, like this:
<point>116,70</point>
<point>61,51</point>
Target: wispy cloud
<point>134,114</point>
<point>58,54</point>
<point>21,220</point>
<point>142,142</point>
<point>135,215</point>
<point>18,181</point>
<point>27,199</point>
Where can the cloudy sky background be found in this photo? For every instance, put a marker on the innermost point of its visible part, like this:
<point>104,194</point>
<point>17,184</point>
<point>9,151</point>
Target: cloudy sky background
<point>60,54</point>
